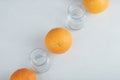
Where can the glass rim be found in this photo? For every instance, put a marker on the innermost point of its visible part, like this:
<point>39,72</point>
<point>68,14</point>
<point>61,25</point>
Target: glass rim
<point>75,3</point>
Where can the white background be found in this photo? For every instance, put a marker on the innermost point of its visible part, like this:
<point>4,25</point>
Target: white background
<point>94,55</point>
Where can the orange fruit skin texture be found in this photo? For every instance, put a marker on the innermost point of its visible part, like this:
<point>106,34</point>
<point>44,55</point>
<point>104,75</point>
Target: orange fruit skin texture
<point>95,6</point>
<point>23,74</point>
<point>58,40</point>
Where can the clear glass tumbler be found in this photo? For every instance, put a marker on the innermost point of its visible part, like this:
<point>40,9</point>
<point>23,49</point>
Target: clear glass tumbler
<point>76,15</point>
<point>40,60</point>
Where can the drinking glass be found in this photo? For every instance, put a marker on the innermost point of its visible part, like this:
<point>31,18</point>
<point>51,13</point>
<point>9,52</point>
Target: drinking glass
<point>76,15</point>
<point>39,60</point>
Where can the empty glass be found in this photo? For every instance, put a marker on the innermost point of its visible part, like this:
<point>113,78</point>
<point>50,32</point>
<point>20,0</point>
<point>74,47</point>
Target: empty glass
<point>76,15</point>
<point>40,60</point>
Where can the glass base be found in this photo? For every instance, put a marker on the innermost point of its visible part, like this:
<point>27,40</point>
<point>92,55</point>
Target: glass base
<point>73,28</point>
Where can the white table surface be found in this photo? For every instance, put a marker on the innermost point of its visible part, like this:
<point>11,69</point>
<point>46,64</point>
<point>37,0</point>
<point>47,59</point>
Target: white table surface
<point>94,55</point>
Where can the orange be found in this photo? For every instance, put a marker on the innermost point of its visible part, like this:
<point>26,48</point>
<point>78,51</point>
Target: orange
<point>23,74</point>
<point>95,6</point>
<point>58,40</point>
